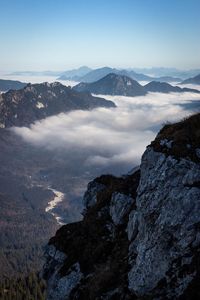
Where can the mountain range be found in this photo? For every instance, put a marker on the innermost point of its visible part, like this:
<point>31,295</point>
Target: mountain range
<point>114,84</point>
<point>96,74</point>
<point>146,74</point>
<point>38,101</point>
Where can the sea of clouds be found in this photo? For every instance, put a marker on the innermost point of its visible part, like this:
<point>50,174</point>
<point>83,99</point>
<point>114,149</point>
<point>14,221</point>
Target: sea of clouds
<point>110,137</point>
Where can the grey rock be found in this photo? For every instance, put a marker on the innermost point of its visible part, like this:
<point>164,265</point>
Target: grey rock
<point>61,287</point>
<point>55,254</point>
<point>119,207</point>
<point>198,152</point>
<point>166,143</point>
<point>90,196</point>
<point>168,209</point>
<point>132,228</point>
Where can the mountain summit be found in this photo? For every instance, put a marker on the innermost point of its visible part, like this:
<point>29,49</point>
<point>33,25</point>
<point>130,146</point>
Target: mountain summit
<point>113,84</point>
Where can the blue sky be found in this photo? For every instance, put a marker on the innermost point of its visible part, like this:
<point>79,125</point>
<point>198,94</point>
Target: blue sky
<point>62,34</point>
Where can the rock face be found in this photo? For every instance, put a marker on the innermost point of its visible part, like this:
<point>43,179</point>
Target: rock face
<point>168,203</point>
<point>98,244</point>
<point>62,287</point>
<point>140,236</point>
<point>38,101</point>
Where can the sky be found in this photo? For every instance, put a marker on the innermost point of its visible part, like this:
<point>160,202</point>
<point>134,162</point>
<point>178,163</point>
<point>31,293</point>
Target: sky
<point>63,34</point>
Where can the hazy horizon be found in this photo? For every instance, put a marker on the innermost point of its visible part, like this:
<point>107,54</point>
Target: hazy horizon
<point>8,72</point>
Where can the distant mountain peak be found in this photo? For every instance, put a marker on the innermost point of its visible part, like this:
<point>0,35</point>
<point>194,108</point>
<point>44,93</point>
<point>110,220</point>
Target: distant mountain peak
<point>113,84</point>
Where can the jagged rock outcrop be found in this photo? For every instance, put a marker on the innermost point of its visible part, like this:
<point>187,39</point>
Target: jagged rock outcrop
<point>140,235</point>
<point>98,244</point>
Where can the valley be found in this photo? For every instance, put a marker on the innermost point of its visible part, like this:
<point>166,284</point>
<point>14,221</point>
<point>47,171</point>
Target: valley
<point>48,159</point>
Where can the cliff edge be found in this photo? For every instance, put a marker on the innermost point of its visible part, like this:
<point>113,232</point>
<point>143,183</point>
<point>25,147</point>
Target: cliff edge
<point>140,235</point>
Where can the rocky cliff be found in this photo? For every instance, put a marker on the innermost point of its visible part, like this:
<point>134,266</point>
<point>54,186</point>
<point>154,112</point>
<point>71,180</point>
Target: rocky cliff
<point>140,235</point>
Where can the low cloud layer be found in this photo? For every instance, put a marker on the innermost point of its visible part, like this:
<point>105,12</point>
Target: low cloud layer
<point>108,137</point>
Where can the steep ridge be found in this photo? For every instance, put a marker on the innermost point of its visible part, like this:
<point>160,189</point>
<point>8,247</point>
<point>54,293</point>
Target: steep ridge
<point>140,235</point>
<point>38,101</point>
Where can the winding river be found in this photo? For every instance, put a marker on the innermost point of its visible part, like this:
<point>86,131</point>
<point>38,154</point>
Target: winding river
<point>58,198</point>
